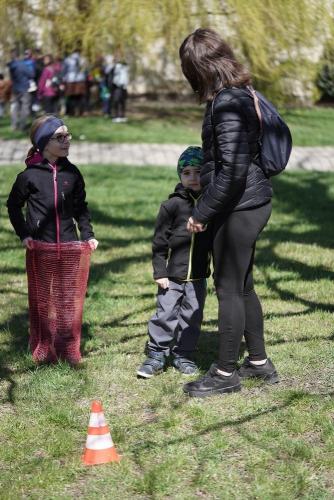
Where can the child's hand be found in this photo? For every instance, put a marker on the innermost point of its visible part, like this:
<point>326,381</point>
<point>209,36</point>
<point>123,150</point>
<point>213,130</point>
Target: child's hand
<point>28,243</point>
<point>193,226</point>
<point>93,244</point>
<point>163,283</point>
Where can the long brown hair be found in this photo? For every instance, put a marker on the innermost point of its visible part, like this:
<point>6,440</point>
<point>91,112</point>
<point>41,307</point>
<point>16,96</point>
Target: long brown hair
<point>33,129</point>
<point>209,64</point>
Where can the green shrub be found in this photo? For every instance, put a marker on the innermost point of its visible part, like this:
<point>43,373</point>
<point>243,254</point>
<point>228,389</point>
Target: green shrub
<point>325,80</point>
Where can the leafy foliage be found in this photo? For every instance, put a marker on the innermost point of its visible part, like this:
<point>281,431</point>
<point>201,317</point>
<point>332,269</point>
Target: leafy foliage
<point>278,39</point>
<point>94,26</point>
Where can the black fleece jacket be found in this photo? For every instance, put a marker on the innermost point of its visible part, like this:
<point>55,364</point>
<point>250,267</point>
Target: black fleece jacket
<point>37,188</point>
<point>175,252</point>
<point>230,179</point>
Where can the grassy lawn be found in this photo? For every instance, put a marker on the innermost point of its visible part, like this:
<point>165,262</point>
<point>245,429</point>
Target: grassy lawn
<point>262,443</point>
<point>167,122</point>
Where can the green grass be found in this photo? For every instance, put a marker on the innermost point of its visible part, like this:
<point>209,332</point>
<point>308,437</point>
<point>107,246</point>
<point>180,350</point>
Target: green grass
<point>262,443</point>
<point>166,122</point>
<point>311,127</point>
<point>150,122</point>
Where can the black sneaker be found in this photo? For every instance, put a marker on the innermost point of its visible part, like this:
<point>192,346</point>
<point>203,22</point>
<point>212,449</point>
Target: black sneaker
<point>151,366</point>
<point>185,365</point>
<point>266,372</point>
<point>213,383</point>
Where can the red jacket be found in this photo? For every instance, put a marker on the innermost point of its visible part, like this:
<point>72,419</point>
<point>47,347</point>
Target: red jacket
<point>46,88</point>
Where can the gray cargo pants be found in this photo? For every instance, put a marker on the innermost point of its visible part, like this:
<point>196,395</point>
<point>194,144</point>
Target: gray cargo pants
<point>20,110</point>
<point>178,318</point>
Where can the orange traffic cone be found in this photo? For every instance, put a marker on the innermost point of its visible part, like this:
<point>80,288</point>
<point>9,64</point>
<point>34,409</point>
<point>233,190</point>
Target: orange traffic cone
<point>100,448</point>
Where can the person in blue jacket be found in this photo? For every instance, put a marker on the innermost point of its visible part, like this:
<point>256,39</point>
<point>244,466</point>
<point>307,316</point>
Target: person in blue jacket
<point>21,75</point>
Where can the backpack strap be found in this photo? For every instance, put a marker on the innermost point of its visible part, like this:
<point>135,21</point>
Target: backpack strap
<point>257,108</point>
<point>215,143</point>
<point>258,112</point>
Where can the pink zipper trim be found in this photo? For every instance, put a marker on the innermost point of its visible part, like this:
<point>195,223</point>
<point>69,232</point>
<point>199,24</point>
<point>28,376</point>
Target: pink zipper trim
<point>55,190</point>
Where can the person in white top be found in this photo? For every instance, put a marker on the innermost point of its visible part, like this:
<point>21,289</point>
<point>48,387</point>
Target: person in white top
<point>120,81</point>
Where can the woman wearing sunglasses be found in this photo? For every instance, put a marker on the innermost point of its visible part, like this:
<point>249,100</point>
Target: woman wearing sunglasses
<point>53,191</point>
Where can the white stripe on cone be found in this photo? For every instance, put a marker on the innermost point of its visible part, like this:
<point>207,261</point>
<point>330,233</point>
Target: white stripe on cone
<point>97,420</point>
<point>101,442</point>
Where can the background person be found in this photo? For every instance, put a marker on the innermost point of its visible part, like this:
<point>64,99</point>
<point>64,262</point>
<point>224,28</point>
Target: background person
<point>237,200</point>
<point>21,75</point>
<point>49,85</point>
<point>74,77</point>
<point>31,63</point>
<point>119,78</point>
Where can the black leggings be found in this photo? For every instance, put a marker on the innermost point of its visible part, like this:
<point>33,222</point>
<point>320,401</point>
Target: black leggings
<point>240,311</point>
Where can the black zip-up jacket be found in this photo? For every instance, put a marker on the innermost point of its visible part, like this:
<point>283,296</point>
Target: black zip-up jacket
<point>230,179</point>
<point>175,252</point>
<point>49,197</point>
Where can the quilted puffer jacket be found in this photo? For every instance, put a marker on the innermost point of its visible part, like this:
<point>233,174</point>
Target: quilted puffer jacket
<point>55,200</point>
<point>230,179</point>
<point>175,252</point>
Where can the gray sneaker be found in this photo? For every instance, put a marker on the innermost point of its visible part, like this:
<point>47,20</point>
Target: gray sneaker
<point>151,366</point>
<point>185,365</point>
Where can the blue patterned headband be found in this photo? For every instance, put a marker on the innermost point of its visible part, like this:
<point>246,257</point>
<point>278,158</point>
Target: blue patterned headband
<point>44,133</point>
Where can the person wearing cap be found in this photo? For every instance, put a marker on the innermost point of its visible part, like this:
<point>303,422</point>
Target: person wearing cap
<point>52,189</point>
<point>181,264</point>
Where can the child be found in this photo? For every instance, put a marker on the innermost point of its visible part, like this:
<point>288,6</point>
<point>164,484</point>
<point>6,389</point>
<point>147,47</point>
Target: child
<point>181,265</point>
<point>53,191</point>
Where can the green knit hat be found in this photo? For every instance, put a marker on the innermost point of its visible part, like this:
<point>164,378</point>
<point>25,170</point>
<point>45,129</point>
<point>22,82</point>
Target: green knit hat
<point>191,157</point>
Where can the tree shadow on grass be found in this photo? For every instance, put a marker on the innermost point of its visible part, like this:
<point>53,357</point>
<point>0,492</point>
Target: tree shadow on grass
<point>109,338</point>
<point>5,291</point>
<point>86,337</point>
<point>307,199</point>
<point>305,196</point>
<point>16,347</point>
<point>136,207</point>
<point>13,270</point>
<point>291,399</point>
<point>12,349</point>
<point>7,375</point>
<point>298,340</point>
<point>208,348</point>
<point>116,265</point>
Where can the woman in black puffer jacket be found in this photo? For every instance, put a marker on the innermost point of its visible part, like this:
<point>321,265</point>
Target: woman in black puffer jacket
<point>237,199</point>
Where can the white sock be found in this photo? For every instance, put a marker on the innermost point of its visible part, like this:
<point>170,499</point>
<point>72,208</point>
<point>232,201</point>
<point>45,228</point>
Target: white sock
<point>225,374</point>
<point>259,363</point>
